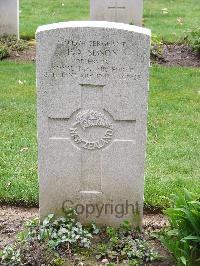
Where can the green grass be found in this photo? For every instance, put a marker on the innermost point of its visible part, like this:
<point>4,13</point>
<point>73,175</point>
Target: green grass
<point>173,153</point>
<point>173,134</point>
<point>166,25</point>
<point>39,12</point>
<point>18,164</point>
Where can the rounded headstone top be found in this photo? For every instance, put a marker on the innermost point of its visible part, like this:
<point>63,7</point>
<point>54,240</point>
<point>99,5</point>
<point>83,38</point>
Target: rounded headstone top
<point>94,24</point>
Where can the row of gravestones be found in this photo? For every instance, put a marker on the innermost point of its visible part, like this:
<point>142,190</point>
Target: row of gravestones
<point>126,11</point>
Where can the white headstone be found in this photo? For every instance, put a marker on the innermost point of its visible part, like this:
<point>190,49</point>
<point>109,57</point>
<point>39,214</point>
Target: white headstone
<point>125,11</point>
<point>9,17</point>
<point>92,81</point>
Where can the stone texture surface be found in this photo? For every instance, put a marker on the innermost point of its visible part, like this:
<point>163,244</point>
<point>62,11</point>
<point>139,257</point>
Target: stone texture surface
<point>125,11</point>
<point>92,86</point>
<point>9,17</point>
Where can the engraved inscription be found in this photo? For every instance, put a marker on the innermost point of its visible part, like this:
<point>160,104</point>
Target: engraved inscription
<point>88,119</point>
<point>86,59</point>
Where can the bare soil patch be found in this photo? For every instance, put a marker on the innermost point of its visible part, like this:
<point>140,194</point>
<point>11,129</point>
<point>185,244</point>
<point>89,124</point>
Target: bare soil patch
<point>26,56</point>
<point>179,55</point>
<point>12,220</point>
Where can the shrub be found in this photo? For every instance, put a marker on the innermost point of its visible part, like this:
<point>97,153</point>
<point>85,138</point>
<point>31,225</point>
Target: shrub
<point>183,238</point>
<point>4,52</point>
<point>10,43</point>
<point>13,43</point>
<point>193,37</point>
<point>156,47</point>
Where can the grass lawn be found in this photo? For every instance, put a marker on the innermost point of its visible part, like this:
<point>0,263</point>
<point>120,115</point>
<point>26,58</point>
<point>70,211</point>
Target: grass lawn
<point>38,12</point>
<point>182,15</point>
<point>18,164</point>
<point>173,144</point>
<point>173,152</point>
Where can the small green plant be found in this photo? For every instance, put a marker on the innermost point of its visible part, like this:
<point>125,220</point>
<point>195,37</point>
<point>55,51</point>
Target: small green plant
<point>193,37</point>
<point>11,255</point>
<point>57,241</point>
<point>10,43</point>
<point>13,43</point>
<point>125,244</point>
<point>45,242</point>
<point>93,229</point>
<point>183,238</point>
<point>4,52</point>
<point>156,47</point>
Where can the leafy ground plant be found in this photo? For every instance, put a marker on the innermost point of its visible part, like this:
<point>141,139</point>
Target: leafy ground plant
<point>44,243</point>
<point>183,238</point>
<point>62,241</point>
<point>193,37</point>
<point>9,43</point>
<point>125,245</point>
<point>4,52</point>
<point>156,47</point>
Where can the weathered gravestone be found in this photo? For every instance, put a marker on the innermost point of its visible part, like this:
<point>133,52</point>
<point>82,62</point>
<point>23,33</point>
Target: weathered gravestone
<point>92,80</point>
<point>9,17</point>
<point>126,11</point>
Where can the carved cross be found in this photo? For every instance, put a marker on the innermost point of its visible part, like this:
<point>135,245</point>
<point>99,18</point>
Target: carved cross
<point>115,7</point>
<point>91,130</point>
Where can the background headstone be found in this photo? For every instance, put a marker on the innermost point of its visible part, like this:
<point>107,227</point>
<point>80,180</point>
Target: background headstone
<point>125,11</point>
<point>92,80</point>
<point>9,17</point>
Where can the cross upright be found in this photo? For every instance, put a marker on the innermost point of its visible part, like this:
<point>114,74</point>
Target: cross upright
<point>116,7</point>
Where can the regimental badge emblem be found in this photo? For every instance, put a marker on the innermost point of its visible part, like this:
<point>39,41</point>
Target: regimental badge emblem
<point>91,130</point>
